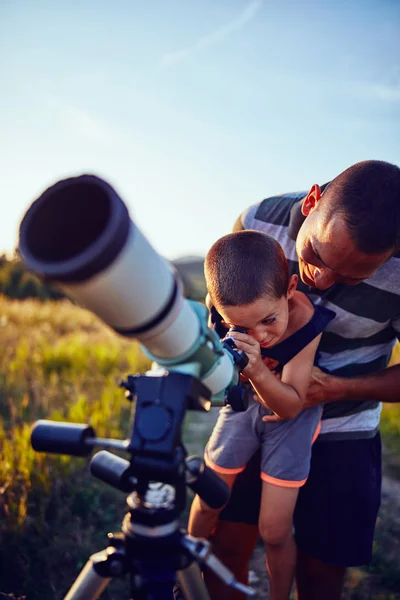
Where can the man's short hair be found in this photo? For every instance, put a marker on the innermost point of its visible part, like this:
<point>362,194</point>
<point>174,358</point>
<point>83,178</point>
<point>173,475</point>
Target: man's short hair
<point>368,195</point>
<point>243,266</point>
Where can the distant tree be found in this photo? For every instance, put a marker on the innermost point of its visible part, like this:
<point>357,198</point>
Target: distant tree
<point>17,282</point>
<point>191,271</point>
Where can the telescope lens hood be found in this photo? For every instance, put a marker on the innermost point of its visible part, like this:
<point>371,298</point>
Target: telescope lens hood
<point>79,235</point>
<point>74,230</point>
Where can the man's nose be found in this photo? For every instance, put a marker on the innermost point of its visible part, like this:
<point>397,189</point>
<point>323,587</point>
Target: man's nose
<point>323,278</point>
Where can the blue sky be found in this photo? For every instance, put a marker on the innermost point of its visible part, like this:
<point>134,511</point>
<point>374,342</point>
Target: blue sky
<point>193,109</point>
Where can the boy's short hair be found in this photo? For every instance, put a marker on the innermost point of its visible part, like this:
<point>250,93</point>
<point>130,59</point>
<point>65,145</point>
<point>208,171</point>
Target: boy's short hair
<point>368,196</point>
<point>243,266</point>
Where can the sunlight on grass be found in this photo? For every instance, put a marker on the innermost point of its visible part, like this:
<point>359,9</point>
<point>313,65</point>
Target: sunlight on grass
<point>58,362</point>
<point>390,419</point>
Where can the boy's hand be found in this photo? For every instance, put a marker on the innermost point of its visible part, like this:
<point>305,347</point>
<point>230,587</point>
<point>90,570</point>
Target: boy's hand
<point>251,347</point>
<point>271,418</point>
<point>267,418</point>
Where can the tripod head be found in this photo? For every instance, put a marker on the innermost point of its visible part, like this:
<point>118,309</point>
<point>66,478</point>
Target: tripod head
<point>151,547</point>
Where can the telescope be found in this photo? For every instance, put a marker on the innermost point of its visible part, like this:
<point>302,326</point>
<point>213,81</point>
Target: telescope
<point>79,236</point>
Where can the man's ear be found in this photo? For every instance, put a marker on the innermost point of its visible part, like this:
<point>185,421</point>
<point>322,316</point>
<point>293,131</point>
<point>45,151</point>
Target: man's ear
<point>311,200</point>
<point>293,281</point>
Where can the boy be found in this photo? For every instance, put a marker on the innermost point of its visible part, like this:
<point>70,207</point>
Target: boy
<point>250,288</point>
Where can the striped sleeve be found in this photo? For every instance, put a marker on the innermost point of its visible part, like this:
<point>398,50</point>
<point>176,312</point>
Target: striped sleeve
<point>238,225</point>
<point>396,326</point>
<point>247,217</point>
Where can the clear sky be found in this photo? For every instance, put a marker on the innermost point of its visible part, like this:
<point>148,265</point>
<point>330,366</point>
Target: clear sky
<point>193,109</point>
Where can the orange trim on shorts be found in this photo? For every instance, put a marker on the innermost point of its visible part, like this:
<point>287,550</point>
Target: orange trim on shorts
<point>286,482</point>
<point>317,432</point>
<point>222,470</point>
<point>282,482</point>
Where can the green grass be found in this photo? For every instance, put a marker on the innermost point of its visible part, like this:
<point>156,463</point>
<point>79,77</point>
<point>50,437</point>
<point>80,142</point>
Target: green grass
<point>390,428</point>
<point>59,362</point>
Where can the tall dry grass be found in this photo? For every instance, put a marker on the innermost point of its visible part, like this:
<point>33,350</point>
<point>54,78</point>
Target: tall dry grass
<point>58,362</point>
<point>390,419</point>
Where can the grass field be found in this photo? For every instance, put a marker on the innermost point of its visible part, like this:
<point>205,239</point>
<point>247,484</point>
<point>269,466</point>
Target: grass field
<point>59,362</point>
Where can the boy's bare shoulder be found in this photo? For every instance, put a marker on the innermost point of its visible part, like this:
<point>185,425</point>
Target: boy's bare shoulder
<point>301,310</point>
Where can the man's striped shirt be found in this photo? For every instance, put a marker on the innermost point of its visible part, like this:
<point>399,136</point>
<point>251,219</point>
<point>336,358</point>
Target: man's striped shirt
<point>361,337</point>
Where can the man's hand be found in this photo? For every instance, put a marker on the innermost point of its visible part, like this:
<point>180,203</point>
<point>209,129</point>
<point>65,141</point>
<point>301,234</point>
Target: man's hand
<point>267,418</point>
<point>323,388</point>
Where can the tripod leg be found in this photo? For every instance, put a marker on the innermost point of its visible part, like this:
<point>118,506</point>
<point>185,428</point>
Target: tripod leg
<point>192,583</point>
<point>88,585</point>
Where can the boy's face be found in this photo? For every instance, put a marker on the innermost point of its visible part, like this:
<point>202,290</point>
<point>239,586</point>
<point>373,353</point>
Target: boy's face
<point>265,319</point>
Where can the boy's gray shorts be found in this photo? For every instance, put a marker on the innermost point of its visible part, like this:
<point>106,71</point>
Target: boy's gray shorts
<point>285,445</point>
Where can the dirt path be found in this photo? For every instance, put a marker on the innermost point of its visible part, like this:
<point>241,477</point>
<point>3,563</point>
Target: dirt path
<point>384,584</point>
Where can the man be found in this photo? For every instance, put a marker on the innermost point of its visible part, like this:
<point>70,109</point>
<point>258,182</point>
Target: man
<point>342,240</point>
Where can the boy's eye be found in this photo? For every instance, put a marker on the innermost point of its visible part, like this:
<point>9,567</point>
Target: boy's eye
<point>269,321</point>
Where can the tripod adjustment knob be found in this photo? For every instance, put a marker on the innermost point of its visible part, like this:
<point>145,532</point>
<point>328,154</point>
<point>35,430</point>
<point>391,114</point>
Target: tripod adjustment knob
<point>62,438</point>
<point>204,482</point>
<point>130,386</point>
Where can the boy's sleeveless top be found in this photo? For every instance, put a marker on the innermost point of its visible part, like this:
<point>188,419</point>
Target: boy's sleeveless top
<point>283,352</point>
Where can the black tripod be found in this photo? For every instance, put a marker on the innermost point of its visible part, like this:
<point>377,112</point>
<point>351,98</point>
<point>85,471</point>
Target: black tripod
<point>151,547</point>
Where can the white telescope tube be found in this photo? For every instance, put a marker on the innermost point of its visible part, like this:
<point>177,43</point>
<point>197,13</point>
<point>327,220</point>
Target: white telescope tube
<point>78,234</point>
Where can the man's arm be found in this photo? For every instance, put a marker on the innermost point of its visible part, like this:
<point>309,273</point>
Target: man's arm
<point>383,385</point>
